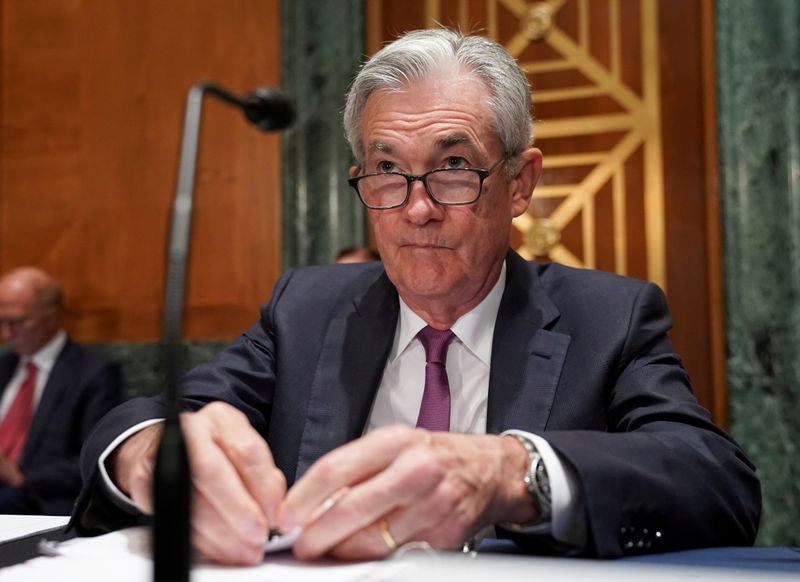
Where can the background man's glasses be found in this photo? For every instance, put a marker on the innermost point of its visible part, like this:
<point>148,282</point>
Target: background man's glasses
<point>15,322</point>
<point>451,186</point>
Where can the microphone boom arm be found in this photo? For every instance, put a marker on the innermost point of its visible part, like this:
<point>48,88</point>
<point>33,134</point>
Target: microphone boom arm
<point>172,474</point>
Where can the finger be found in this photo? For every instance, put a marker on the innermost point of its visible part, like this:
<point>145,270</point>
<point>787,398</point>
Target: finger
<point>443,516</point>
<point>366,544</point>
<point>216,479</point>
<point>433,519</point>
<point>438,519</point>
<point>406,481</point>
<point>214,541</point>
<point>459,505</point>
<point>346,466</point>
<point>252,460</point>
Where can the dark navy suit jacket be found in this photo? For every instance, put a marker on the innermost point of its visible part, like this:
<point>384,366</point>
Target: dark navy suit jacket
<point>81,388</point>
<point>579,357</point>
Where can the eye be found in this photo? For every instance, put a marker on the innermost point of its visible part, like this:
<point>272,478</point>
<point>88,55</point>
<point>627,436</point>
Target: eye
<point>455,162</point>
<point>386,166</point>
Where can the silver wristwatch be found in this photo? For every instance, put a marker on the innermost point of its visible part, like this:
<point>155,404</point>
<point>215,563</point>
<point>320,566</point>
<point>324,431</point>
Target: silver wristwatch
<point>536,480</point>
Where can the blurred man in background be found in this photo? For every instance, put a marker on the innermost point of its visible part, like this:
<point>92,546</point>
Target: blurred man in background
<point>53,392</point>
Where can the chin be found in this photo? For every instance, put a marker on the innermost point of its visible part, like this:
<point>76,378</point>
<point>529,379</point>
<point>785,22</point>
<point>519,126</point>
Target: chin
<point>435,291</point>
<point>433,286</point>
<point>433,276</point>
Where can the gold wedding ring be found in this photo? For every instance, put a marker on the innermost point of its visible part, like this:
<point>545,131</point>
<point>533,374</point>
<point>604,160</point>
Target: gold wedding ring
<point>383,526</point>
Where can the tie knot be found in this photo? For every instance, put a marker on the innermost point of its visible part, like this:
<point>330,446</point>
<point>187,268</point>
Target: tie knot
<point>435,342</point>
<point>30,367</point>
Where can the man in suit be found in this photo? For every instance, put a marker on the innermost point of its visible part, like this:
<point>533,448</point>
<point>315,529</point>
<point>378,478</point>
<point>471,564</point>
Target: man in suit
<point>453,388</point>
<point>53,392</point>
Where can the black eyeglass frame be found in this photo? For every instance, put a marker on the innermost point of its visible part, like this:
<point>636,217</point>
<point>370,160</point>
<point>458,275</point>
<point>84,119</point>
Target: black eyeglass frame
<point>483,173</point>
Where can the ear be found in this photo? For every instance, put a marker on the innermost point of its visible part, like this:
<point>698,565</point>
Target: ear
<point>353,172</point>
<point>529,168</point>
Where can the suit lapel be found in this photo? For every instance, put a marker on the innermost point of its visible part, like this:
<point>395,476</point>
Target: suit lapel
<point>350,367</point>
<point>47,412</point>
<point>8,365</point>
<point>527,357</point>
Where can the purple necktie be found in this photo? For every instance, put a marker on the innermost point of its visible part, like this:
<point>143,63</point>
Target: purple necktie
<point>434,413</point>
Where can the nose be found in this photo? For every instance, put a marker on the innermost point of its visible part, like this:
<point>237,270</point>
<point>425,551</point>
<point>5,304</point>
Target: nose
<point>421,208</point>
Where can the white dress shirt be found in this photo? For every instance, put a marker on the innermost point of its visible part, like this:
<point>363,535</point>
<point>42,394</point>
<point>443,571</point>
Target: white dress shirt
<point>469,357</point>
<point>44,359</point>
<point>399,395</point>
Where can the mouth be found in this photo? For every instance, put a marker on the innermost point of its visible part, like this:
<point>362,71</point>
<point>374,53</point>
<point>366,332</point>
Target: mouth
<point>426,246</point>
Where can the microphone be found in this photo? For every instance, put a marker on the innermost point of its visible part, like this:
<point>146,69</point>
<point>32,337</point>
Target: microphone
<point>268,110</point>
<point>264,107</point>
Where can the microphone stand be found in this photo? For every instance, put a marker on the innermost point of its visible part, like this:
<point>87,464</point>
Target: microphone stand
<point>172,482</point>
<point>172,548</point>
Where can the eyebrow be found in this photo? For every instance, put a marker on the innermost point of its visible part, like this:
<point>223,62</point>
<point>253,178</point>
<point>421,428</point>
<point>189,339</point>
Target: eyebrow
<point>444,143</point>
<point>379,146</point>
<point>453,140</point>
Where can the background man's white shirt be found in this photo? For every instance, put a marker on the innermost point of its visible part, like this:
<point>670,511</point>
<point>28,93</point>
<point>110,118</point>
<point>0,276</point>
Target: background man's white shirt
<point>44,359</point>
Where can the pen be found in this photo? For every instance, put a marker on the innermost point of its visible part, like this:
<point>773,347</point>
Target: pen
<point>278,540</point>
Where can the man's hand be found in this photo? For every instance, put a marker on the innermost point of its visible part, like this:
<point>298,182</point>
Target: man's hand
<point>237,488</point>
<point>441,488</point>
<point>10,475</point>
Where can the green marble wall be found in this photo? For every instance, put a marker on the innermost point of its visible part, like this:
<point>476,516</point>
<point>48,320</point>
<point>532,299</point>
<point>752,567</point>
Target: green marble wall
<point>322,45</point>
<point>758,60</point>
<point>141,364</point>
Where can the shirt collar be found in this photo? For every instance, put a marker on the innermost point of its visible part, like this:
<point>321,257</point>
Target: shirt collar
<point>46,357</point>
<point>474,329</point>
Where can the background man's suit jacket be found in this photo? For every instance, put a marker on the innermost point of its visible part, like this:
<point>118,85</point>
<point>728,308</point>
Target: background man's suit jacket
<point>579,357</point>
<point>82,387</point>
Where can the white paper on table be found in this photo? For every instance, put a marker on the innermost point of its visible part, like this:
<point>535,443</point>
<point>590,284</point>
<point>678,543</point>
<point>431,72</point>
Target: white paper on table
<point>125,556</point>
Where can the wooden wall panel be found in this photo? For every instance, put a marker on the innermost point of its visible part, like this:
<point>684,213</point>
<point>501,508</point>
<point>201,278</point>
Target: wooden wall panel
<point>92,102</point>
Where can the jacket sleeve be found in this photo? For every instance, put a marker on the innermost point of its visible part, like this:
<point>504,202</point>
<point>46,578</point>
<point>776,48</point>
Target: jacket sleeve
<point>242,375</point>
<point>661,476</point>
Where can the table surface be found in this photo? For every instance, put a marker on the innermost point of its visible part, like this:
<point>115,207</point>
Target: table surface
<point>774,558</point>
<point>496,560</point>
<point>780,558</point>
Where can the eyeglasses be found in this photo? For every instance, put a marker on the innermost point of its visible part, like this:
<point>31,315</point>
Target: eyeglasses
<point>449,186</point>
<point>15,322</point>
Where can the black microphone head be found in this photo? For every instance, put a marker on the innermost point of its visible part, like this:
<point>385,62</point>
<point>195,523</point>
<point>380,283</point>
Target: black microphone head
<point>268,109</point>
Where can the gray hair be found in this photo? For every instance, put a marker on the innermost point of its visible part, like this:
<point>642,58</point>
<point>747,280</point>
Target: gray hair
<point>415,55</point>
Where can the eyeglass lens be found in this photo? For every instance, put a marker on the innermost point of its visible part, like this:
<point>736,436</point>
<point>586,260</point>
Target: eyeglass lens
<point>449,186</point>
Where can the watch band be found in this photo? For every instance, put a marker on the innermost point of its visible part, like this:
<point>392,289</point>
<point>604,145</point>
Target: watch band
<point>536,481</point>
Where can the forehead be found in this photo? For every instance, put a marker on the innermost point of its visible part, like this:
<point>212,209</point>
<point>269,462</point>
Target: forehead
<point>444,111</point>
<point>16,296</point>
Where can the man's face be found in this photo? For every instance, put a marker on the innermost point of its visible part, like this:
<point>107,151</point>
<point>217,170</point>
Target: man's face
<point>448,255</point>
<point>24,326</point>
